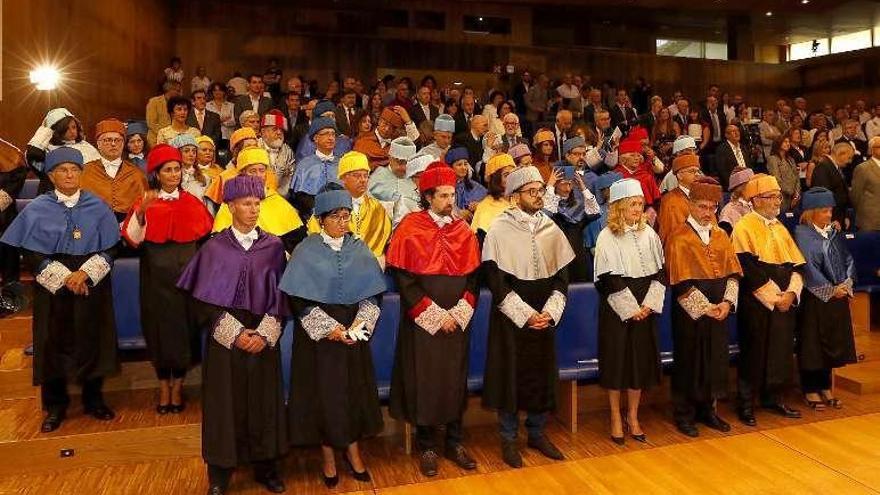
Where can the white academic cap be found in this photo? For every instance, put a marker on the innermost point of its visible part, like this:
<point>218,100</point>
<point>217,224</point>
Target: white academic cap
<point>520,177</point>
<point>55,115</point>
<point>625,188</point>
<point>402,148</point>
<point>444,122</point>
<point>418,163</point>
<point>682,143</point>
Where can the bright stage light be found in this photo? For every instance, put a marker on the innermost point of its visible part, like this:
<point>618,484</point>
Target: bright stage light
<point>45,77</point>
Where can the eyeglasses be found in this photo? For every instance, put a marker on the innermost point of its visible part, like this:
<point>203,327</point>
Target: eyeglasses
<point>340,217</point>
<point>776,196</point>
<point>112,140</point>
<point>534,192</point>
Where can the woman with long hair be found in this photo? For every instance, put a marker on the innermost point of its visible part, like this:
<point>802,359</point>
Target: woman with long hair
<point>545,148</point>
<point>782,166</point>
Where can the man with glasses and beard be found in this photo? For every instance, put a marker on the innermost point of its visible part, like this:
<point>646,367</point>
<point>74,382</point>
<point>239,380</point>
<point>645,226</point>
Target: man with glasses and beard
<point>525,261</point>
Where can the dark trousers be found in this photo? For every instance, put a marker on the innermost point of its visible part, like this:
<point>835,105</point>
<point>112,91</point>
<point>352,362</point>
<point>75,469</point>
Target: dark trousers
<point>687,411</point>
<point>55,396</point>
<point>815,381</point>
<point>10,264</point>
<point>220,476</point>
<point>426,436</point>
<point>745,394</point>
<point>170,373</point>
<point>508,425</point>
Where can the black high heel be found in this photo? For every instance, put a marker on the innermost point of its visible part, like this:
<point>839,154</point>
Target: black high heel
<point>363,476</point>
<point>163,409</point>
<point>641,437</point>
<point>621,440</point>
<point>330,481</point>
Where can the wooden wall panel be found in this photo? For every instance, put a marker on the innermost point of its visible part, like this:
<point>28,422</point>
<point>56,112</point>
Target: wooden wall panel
<point>113,52</point>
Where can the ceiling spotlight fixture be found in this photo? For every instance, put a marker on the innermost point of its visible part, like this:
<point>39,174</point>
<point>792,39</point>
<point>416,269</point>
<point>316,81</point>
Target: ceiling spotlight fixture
<point>480,19</point>
<point>45,77</point>
<point>769,14</point>
<point>804,2</point>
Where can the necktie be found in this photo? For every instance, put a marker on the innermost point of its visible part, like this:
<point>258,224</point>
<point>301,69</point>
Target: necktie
<point>200,116</point>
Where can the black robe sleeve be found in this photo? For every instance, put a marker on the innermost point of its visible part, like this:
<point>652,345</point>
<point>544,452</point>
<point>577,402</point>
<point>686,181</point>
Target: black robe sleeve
<point>304,204</point>
<point>497,282</point>
<point>411,293</point>
<point>754,274</point>
<point>294,237</point>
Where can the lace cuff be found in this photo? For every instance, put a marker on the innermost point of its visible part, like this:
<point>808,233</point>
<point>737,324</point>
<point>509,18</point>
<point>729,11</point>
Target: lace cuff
<point>731,293</point>
<point>96,268</point>
<point>551,201</point>
<point>462,312</point>
<point>655,297</point>
<point>768,295</point>
<point>53,276</point>
<point>5,200</point>
<point>823,292</point>
<point>624,303</point>
<point>695,303</point>
<point>369,314</point>
<point>134,231</point>
<point>41,138</point>
<point>591,205</point>
<point>226,330</point>
<point>318,324</point>
<point>848,285</point>
<point>554,306</point>
<point>270,329</point>
<point>796,285</point>
<point>516,309</point>
<point>431,319</point>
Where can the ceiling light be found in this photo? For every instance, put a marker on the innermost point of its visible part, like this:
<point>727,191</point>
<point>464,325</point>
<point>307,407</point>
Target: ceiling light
<point>769,14</point>
<point>45,77</point>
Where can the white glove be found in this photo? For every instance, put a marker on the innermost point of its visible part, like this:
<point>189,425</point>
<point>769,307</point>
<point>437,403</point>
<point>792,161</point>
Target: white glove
<point>359,332</point>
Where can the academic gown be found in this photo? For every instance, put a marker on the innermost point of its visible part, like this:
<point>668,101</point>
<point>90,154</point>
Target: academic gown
<point>74,336</point>
<point>824,330</point>
<point>700,350</point>
<point>371,224</point>
<point>243,411</point>
<point>311,174</point>
<point>573,221</point>
<point>170,238</point>
<point>333,393</point>
<point>629,267</point>
<point>766,337</point>
<point>435,269</point>
<point>521,369</point>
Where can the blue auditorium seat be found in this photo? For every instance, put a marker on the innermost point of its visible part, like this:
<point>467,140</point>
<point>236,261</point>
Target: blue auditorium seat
<point>29,191</point>
<point>21,203</point>
<point>865,250</point>
<point>126,303</point>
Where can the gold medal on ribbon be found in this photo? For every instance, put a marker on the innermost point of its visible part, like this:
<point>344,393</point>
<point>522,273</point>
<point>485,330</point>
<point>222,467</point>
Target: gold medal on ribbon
<point>77,234</point>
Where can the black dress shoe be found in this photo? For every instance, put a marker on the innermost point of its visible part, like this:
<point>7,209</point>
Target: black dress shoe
<point>457,454</point>
<point>510,454</point>
<point>271,482</point>
<point>216,490</point>
<point>101,412</point>
<point>543,445</point>
<point>688,429</point>
<point>783,410</point>
<point>618,440</point>
<point>428,463</point>
<point>177,408</point>
<point>747,417</point>
<point>52,421</point>
<point>715,422</point>
<point>163,409</point>
<point>330,481</point>
<point>363,476</point>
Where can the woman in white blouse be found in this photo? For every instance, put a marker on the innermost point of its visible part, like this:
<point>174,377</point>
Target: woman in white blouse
<point>223,108</point>
<point>628,275</point>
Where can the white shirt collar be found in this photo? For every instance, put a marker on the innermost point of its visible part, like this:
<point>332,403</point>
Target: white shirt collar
<point>382,141</point>
<point>333,243</point>
<point>441,221</point>
<point>69,201</point>
<point>323,157</point>
<point>767,221</point>
<point>169,196</point>
<point>111,166</point>
<point>356,204</point>
<point>824,232</point>
<point>531,220</point>
<point>139,155</point>
<point>631,228</point>
<point>704,232</point>
<point>246,240</point>
<point>686,191</point>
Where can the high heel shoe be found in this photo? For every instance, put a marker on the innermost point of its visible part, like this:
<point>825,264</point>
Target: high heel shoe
<point>330,481</point>
<point>641,437</point>
<point>163,409</point>
<point>363,476</point>
<point>621,439</point>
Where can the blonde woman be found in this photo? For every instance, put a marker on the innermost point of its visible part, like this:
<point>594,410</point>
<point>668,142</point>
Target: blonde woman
<point>628,274</point>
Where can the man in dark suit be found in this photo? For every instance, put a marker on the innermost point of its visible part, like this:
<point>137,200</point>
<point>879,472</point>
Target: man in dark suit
<point>511,128</point>
<point>520,90</point>
<point>731,154</point>
<point>346,113</point>
<point>254,99</point>
<point>860,147</point>
<point>206,121</point>
<point>684,107</point>
<point>423,109</point>
<point>622,111</point>
<point>465,114</point>
<point>829,174</point>
<point>472,140</point>
<point>297,122</point>
<point>717,125</point>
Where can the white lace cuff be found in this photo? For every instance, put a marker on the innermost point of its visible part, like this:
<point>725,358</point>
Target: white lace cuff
<point>462,312</point>
<point>695,303</point>
<point>516,309</point>
<point>369,314</point>
<point>768,294</point>
<point>848,285</point>
<point>41,138</point>
<point>270,329</point>
<point>96,268</point>
<point>551,201</point>
<point>53,276</point>
<point>318,324</point>
<point>5,200</point>
<point>731,293</point>
<point>823,292</point>
<point>431,319</point>
<point>554,306</point>
<point>624,303</point>
<point>591,205</point>
<point>226,330</point>
<point>655,297</point>
<point>795,286</point>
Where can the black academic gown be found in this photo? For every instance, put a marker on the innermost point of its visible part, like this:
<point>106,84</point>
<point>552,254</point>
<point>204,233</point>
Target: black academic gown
<point>243,414</point>
<point>167,312</point>
<point>766,338</point>
<point>581,268</point>
<point>629,354</point>
<point>521,370</point>
<point>333,395</point>
<point>74,336</point>
<point>429,378</point>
